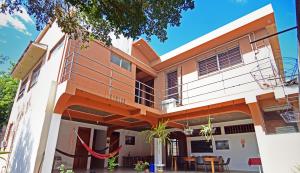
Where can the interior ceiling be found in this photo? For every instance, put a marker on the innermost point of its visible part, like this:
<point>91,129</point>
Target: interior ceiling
<point>140,129</point>
<point>90,111</point>
<point>131,120</point>
<point>216,118</point>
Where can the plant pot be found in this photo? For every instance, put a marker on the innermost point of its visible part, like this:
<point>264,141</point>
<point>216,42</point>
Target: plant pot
<point>146,170</point>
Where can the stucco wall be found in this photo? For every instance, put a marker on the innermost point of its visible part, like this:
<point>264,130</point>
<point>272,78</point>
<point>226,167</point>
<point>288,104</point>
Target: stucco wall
<point>30,112</point>
<point>279,152</point>
<point>67,139</point>
<point>226,84</point>
<point>141,147</point>
<point>239,155</point>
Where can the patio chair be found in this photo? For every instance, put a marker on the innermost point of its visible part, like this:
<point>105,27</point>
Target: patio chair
<point>226,167</point>
<point>200,162</point>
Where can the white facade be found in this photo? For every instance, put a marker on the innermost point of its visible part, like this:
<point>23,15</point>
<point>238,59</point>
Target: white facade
<point>34,140</point>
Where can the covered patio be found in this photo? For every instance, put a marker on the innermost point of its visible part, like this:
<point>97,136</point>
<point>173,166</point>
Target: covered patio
<point>233,138</point>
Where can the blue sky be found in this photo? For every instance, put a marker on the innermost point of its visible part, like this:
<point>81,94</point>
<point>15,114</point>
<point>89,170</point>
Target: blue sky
<point>16,31</point>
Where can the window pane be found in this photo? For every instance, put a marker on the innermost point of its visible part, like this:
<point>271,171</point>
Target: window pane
<point>35,75</point>
<point>22,88</point>
<point>126,65</point>
<point>208,65</point>
<point>172,83</point>
<point>230,58</point>
<point>116,60</point>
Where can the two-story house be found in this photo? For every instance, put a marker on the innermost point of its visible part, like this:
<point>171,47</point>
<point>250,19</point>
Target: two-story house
<point>109,95</point>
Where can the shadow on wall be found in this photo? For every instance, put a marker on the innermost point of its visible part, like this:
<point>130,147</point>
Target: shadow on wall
<point>22,151</point>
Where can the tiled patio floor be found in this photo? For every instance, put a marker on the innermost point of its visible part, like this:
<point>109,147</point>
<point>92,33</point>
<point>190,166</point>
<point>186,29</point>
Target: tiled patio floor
<point>125,170</point>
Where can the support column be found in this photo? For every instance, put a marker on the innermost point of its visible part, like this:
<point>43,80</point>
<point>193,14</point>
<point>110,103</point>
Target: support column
<point>91,146</point>
<point>51,144</point>
<point>158,158</point>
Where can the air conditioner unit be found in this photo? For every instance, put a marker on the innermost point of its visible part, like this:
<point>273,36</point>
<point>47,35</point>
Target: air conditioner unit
<point>168,104</point>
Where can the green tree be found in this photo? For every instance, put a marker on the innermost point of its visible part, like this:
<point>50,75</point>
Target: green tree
<point>98,18</point>
<point>8,89</point>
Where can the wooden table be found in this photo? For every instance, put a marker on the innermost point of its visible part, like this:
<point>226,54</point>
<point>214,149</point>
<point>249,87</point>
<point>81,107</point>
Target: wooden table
<point>190,160</point>
<point>211,160</point>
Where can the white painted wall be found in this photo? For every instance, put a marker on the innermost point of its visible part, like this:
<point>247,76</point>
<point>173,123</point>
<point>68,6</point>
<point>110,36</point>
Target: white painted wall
<point>67,139</point>
<point>141,147</point>
<point>279,152</point>
<point>229,83</point>
<point>239,155</point>
<point>29,114</point>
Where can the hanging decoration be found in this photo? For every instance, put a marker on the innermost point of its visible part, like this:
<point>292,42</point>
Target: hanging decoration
<point>187,129</point>
<point>243,141</point>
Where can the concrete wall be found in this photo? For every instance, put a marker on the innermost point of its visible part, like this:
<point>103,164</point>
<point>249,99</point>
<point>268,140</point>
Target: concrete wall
<point>31,112</point>
<point>67,139</point>
<point>239,155</point>
<point>228,83</point>
<point>279,152</point>
<point>141,147</point>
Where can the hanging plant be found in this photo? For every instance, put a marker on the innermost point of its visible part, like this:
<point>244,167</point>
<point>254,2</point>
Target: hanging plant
<point>207,130</point>
<point>159,131</point>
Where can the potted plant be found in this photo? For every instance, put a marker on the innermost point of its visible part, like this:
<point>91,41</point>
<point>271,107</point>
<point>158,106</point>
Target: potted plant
<point>62,169</point>
<point>160,135</point>
<point>141,166</point>
<point>112,164</point>
<point>159,131</point>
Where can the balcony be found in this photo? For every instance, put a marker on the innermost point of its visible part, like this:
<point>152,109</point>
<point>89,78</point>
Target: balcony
<point>91,71</point>
<point>257,77</point>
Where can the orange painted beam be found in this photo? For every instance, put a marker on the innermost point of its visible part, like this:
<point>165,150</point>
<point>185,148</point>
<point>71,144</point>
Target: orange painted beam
<point>82,115</point>
<point>215,111</point>
<point>257,114</point>
<point>114,118</point>
<point>76,100</point>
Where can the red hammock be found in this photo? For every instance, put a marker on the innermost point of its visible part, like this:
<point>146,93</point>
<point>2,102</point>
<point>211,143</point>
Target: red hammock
<point>95,154</point>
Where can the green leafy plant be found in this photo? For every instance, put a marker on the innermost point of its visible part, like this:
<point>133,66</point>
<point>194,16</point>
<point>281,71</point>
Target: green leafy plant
<point>62,169</point>
<point>112,164</point>
<point>159,131</point>
<point>141,166</point>
<point>207,130</point>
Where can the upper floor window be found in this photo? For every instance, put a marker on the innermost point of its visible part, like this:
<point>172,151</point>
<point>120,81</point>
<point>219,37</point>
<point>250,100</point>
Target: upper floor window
<point>220,61</point>
<point>22,88</point>
<point>172,85</point>
<point>35,74</point>
<point>230,58</point>
<point>121,62</point>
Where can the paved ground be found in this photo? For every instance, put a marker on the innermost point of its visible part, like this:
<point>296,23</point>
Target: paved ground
<point>123,170</point>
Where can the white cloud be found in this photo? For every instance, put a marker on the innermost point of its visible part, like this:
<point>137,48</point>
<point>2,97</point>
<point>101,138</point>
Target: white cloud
<point>24,16</point>
<point>16,21</point>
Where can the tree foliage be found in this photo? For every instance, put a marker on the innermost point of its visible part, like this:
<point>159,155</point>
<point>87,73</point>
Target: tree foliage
<point>8,89</point>
<point>99,18</point>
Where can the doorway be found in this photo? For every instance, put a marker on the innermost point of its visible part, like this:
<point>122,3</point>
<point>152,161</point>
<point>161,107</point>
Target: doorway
<point>81,162</point>
<point>176,147</point>
<point>114,142</point>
